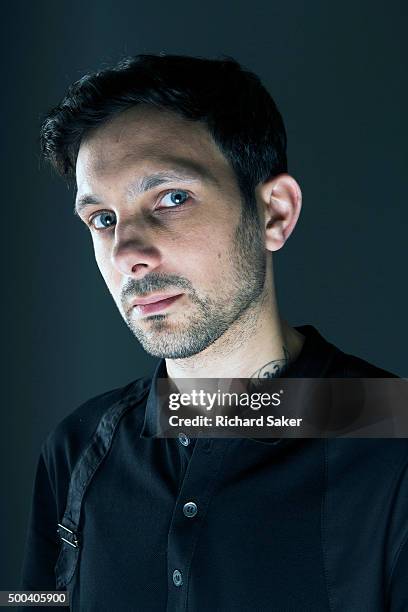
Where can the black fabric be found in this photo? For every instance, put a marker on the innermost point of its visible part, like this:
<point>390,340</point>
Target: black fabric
<point>281,525</point>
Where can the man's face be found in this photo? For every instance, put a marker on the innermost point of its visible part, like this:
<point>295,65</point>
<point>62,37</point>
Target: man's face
<point>165,214</point>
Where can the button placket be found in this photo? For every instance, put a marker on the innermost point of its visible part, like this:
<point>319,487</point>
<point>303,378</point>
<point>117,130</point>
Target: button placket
<point>198,484</point>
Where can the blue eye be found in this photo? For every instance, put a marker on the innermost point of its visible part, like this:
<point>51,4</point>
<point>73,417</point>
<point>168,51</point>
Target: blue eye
<point>103,220</point>
<point>175,198</point>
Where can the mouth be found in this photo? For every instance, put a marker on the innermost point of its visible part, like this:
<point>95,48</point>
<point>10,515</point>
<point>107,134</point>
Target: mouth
<point>154,304</point>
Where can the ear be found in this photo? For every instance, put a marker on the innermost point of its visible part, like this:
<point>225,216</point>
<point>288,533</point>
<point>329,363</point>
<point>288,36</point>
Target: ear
<point>280,200</point>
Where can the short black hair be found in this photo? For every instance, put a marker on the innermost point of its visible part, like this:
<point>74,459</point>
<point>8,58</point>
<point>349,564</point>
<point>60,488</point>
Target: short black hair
<point>236,108</point>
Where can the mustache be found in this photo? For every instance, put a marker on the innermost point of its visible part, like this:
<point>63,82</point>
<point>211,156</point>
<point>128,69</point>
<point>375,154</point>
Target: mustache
<point>150,284</point>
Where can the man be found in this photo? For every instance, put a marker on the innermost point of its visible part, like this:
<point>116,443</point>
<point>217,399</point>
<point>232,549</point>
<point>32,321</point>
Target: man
<point>181,174</point>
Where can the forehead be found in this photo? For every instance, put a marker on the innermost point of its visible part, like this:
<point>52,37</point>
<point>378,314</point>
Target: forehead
<point>146,138</point>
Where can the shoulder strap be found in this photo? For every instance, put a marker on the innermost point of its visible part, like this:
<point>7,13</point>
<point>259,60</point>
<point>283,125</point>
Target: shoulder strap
<point>85,468</point>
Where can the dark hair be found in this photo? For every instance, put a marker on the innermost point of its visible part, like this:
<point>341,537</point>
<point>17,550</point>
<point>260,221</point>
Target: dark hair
<point>232,102</point>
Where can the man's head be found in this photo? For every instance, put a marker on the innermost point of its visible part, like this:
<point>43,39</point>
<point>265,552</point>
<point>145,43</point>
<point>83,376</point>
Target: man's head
<point>177,161</point>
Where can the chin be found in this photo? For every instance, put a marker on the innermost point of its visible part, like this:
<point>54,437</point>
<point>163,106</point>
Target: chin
<point>166,349</point>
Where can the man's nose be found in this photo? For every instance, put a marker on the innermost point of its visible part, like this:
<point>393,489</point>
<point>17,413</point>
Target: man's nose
<point>134,253</point>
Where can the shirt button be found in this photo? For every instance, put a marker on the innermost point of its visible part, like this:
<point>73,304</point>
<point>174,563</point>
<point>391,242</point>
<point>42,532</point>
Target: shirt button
<point>184,439</point>
<point>190,509</point>
<point>177,578</point>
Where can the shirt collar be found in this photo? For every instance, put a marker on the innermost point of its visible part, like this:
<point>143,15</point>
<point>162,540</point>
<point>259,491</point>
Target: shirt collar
<point>150,421</point>
<point>313,361</point>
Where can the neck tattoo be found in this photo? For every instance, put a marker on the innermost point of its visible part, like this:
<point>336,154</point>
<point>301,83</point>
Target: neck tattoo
<point>273,369</point>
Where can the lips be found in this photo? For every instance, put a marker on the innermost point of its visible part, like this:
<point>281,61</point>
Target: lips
<point>155,303</point>
<point>158,297</point>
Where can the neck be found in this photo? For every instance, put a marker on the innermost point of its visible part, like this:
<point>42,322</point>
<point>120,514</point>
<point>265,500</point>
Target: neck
<point>258,344</point>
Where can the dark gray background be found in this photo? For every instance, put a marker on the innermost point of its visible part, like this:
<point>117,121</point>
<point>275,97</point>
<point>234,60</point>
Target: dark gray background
<point>338,74</point>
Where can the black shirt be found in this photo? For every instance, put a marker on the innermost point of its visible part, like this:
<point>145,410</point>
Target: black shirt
<point>219,524</point>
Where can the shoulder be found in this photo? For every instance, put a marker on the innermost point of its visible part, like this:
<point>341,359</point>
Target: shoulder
<point>338,362</point>
<point>352,366</point>
<point>69,438</point>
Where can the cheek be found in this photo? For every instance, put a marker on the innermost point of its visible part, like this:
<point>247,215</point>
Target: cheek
<point>204,259</point>
<point>110,275</point>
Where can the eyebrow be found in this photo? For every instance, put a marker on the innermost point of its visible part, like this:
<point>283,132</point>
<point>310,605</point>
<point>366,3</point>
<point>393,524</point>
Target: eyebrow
<point>149,182</point>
